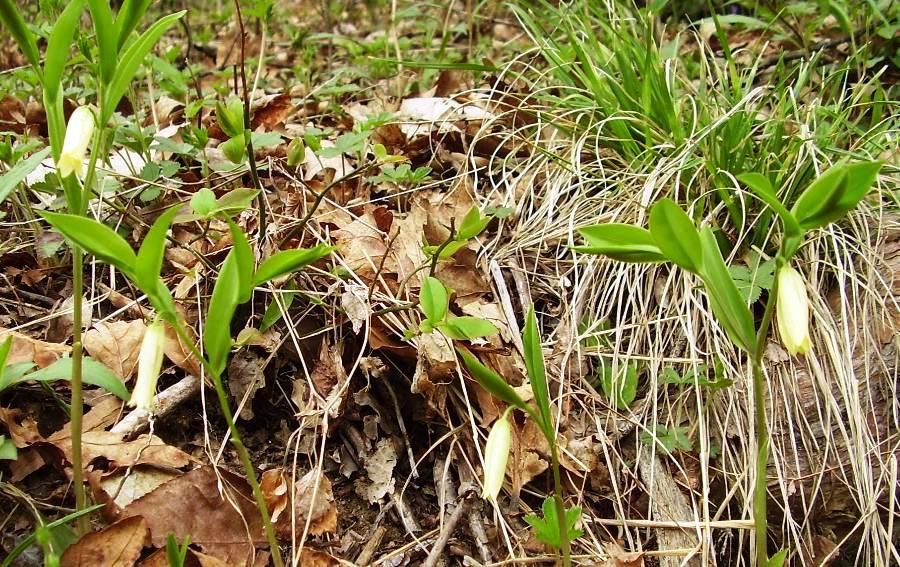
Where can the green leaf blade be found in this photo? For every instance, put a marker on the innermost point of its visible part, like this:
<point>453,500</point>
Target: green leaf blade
<point>96,238</point>
<point>622,242</point>
<point>11,179</point>
<point>287,261</point>
<point>491,381</point>
<point>675,235</point>
<point>434,300</point>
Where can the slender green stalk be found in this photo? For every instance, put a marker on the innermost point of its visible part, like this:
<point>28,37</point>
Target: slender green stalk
<point>243,454</point>
<point>565,545</point>
<point>760,488</point>
<point>77,407</point>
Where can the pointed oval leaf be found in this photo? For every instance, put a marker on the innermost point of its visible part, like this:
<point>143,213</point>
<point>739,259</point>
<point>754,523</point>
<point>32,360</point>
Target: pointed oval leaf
<point>105,31</point>
<point>128,18</point>
<point>834,193</point>
<point>58,47</point>
<point>534,364</point>
<point>95,238</point>
<point>725,300</point>
<point>11,17</point>
<point>287,261</point>
<point>150,256</point>
<point>433,300</point>
<point>243,256</point>
<point>622,242</point>
<point>467,328</point>
<point>491,381</point>
<point>93,373</point>
<point>675,235</point>
<point>217,331</point>
<point>759,184</point>
<point>18,173</point>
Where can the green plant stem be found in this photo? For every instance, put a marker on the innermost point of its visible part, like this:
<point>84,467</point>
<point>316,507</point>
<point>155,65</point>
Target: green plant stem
<point>77,409</point>
<point>565,547</point>
<point>760,488</point>
<point>243,454</point>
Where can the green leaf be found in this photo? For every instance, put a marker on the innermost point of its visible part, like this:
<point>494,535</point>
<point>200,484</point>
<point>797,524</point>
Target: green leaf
<point>621,389</point>
<point>546,529</point>
<point>131,60</point>
<point>217,331</point>
<point>203,202</point>
<point>834,193</point>
<point>18,173</point>
<point>287,261</point>
<point>751,281</point>
<point>778,559</point>
<point>433,300</point>
<point>491,381</point>
<point>468,328</point>
<point>534,364</point>
<point>668,439</point>
<point>8,450</point>
<point>230,117</point>
<point>759,184</point>
<point>675,235</point>
<point>243,256</point>
<point>94,237</point>
<point>93,373</point>
<point>105,31</point>
<point>11,16</point>
<point>275,311</point>
<point>235,149</point>
<point>472,225</point>
<point>235,201</point>
<point>58,47</point>
<point>150,256</point>
<point>623,242</point>
<point>725,300</point>
<point>128,18</point>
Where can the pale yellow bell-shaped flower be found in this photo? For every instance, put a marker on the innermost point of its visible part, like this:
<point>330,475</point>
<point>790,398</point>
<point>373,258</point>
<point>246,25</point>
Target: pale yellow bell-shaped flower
<point>793,311</point>
<point>149,365</point>
<point>78,137</point>
<point>496,454</point>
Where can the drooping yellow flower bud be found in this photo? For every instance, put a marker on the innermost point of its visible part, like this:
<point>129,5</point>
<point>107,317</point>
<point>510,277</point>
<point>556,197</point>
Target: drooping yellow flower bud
<point>149,364</point>
<point>496,454</point>
<point>78,138</point>
<point>793,311</point>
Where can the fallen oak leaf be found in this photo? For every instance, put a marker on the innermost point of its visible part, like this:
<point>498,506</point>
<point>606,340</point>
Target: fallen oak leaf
<point>117,545</point>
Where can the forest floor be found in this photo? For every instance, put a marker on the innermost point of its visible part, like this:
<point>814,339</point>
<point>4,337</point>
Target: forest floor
<point>378,128</point>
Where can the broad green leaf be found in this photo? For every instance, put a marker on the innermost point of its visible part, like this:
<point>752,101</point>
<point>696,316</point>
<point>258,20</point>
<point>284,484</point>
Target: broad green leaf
<point>243,256</point>
<point>491,381</point>
<point>287,261</point>
<point>130,61</point>
<point>18,173</point>
<point>235,201</point>
<point>472,224</point>
<point>834,193</point>
<point>276,309</point>
<point>8,450</point>
<point>620,388</point>
<point>235,149</point>
<point>217,331</point>
<point>96,238</point>
<point>433,300</point>
<point>675,235</point>
<point>203,202</point>
<point>11,16</point>
<point>725,300</point>
<point>534,364</point>
<point>150,256</point>
<point>623,242</point>
<point>447,251</point>
<point>105,31</point>
<point>546,529</point>
<point>93,373</point>
<point>128,18</point>
<point>778,559</point>
<point>759,184</point>
<point>58,47</point>
<point>230,117</point>
<point>468,328</point>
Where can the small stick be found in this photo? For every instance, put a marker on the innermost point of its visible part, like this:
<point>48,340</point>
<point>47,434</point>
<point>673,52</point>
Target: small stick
<point>138,420</point>
<point>365,556</point>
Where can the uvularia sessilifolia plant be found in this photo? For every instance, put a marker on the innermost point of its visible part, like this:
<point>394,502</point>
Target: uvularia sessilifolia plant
<point>674,237</point>
<point>117,55</point>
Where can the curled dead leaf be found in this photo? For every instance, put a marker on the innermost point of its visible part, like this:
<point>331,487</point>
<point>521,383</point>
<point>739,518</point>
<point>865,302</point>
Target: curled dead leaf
<point>117,545</point>
<point>116,344</point>
<point>311,503</point>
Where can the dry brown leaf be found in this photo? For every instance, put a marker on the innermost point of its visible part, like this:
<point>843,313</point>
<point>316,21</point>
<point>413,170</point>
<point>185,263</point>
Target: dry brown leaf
<point>328,376</point>
<point>144,450</point>
<point>313,558</point>
<point>193,559</point>
<point>435,367</point>
<point>117,545</point>
<point>180,354</point>
<point>618,557</point>
<point>120,488</point>
<point>246,375</point>
<point>273,114</point>
<point>191,505</point>
<point>26,349</point>
<point>320,510</point>
<point>23,429</point>
<point>117,345</point>
<point>380,468</point>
